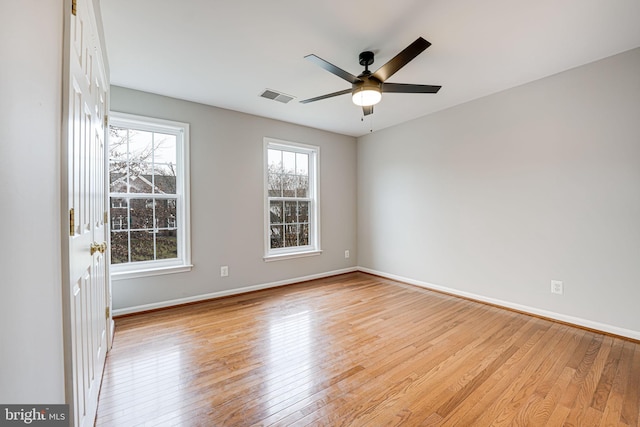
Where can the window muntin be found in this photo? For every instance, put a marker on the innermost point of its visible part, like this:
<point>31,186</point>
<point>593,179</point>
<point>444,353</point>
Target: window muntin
<point>148,189</point>
<point>291,219</point>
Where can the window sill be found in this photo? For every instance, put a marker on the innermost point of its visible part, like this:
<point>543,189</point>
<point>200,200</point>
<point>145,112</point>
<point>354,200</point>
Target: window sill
<point>133,274</point>
<point>281,257</point>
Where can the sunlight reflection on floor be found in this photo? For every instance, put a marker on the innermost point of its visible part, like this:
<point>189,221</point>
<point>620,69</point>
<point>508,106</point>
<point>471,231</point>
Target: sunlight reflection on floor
<point>290,356</point>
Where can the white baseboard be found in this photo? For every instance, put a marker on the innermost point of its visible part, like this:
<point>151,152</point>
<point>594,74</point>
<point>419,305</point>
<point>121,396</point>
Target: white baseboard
<point>169,303</point>
<point>603,327</point>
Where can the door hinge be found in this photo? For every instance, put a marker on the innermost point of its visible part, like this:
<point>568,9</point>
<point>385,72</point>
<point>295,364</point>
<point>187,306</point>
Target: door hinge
<point>107,312</point>
<point>106,121</point>
<point>74,7</point>
<point>72,222</point>
<point>106,217</point>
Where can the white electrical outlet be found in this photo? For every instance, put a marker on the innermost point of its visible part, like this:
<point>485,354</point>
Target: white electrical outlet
<point>556,287</point>
<point>346,254</point>
<point>224,271</point>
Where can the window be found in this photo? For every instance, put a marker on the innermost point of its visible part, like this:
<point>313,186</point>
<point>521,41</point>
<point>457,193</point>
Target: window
<point>148,190</point>
<point>291,200</point>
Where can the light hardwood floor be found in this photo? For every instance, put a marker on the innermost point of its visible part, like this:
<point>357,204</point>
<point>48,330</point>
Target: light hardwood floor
<point>359,350</point>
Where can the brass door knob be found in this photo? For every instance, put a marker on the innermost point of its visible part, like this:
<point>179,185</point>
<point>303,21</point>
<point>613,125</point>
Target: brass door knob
<point>98,247</point>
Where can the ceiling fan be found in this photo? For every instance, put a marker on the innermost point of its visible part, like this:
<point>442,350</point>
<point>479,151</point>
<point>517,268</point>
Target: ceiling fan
<point>366,89</point>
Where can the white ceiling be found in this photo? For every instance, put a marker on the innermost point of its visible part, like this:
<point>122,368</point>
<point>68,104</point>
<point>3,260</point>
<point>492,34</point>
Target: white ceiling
<point>225,53</point>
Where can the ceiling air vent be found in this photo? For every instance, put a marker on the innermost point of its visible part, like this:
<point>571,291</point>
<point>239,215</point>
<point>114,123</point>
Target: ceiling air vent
<point>276,96</point>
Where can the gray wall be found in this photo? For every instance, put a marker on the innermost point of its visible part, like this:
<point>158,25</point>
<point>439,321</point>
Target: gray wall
<point>497,197</point>
<point>31,352</point>
<point>227,201</point>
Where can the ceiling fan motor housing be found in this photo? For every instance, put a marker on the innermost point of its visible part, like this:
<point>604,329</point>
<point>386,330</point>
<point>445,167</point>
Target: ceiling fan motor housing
<point>367,83</point>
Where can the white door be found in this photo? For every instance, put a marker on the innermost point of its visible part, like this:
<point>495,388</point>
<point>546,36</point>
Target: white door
<point>88,293</point>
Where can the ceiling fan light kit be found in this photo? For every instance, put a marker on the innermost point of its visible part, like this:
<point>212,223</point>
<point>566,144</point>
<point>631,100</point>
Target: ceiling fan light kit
<point>366,95</point>
<point>366,89</point>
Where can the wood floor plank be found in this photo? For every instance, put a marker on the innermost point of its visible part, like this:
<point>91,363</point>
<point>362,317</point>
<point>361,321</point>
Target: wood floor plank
<point>603,390</point>
<point>632,395</point>
<point>581,412</point>
<point>612,412</point>
<point>541,411</point>
<point>360,350</point>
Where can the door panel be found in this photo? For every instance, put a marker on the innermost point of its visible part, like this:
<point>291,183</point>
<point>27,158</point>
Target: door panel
<point>88,281</point>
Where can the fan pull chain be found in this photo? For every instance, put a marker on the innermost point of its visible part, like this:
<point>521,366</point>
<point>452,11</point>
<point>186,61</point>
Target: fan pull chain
<point>370,122</point>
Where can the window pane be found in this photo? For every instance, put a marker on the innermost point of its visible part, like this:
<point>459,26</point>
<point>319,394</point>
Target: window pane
<point>118,203</point>
<point>166,244</point>
<point>165,213</point>
<point>302,189</point>
<point>164,148</point>
<point>140,168</point>
<point>291,235</point>
<point>140,146</point>
<point>289,183</point>
<point>303,235</point>
<point>274,184</point>
<point>164,169</point>
<point>141,246</point>
<point>117,183</point>
<point>274,160</point>
<point>302,164</point>
<point>141,213</point>
<point>119,247</point>
<point>290,212</point>
<point>164,179</point>
<point>119,222</point>
<point>119,214</point>
<point>276,236</point>
<point>117,144</point>
<point>118,177</point>
<point>288,162</point>
<point>275,212</point>
<point>303,212</point>
<point>140,178</point>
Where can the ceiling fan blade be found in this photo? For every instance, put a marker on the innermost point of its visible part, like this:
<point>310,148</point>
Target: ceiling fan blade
<point>333,69</point>
<point>367,110</point>
<point>401,59</point>
<point>409,88</point>
<point>329,95</point>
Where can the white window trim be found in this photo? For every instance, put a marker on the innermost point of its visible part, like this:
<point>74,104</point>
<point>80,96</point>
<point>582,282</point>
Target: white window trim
<point>314,213</point>
<point>183,262</point>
